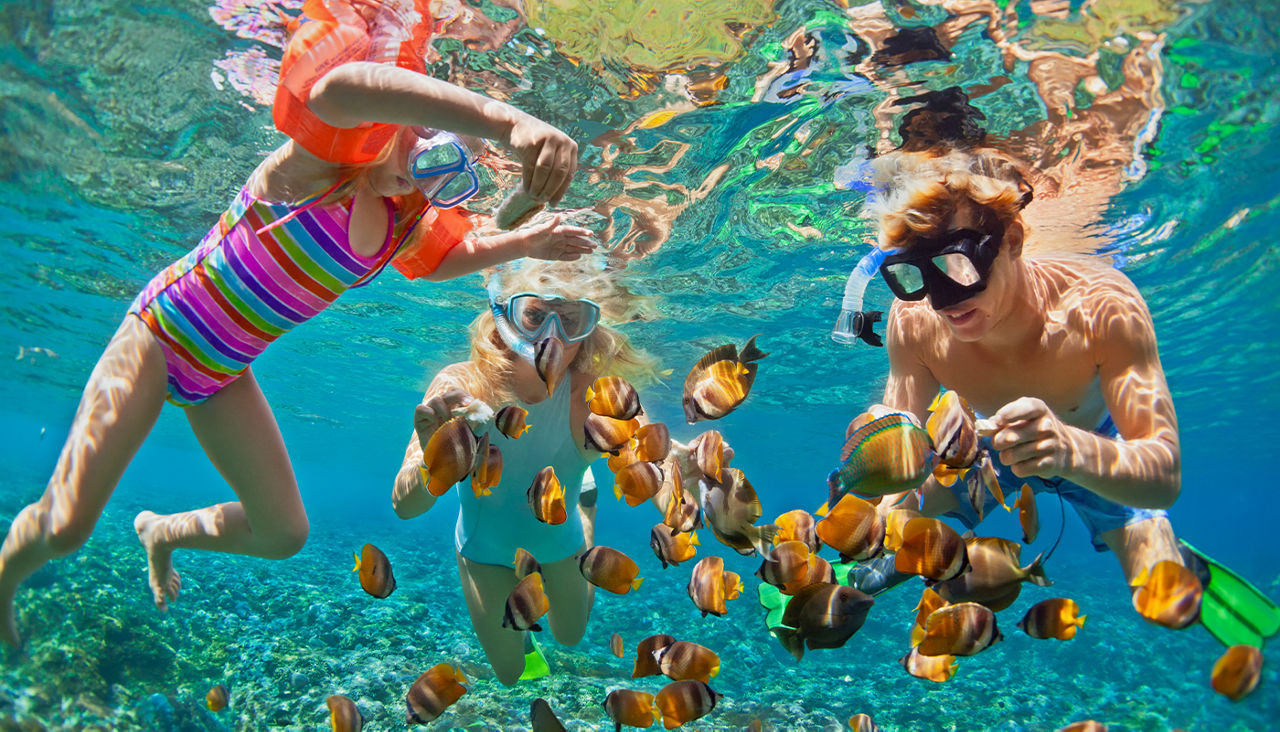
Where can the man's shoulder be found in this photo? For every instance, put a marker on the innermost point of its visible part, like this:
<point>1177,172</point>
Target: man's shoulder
<point>1086,282</point>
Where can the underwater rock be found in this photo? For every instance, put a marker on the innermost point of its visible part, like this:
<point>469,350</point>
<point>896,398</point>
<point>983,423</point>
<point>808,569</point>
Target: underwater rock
<point>299,680</point>
<point>156,712</point>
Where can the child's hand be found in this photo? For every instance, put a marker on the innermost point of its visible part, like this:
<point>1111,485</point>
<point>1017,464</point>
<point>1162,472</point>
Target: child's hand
<point>554,240</point>
<point>548,158</point>
<point>437,410</point>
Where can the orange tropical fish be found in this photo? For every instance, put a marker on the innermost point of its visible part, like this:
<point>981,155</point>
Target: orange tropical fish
<point>798,525</point>
<point>682,512</point>
<point>433,692</point>
<point>525,564</point>
<point>613,396</point>
<point>550,362</point>
<point>951,427</point>
<point>487,472</point>
<point>720,381</point>
<point>682,661</point>
<point>889,454</point>
<point>682,702</point>
<point>1237,672</point>
<point>546,498</point>
<point>1085,725</point>
<point>1028,515</point>
<point>931,668</point>
<point>624,457</point>
<point>1057,617</point>
<point>605,434</point>
<point>994,578</point>
<point>344,716</point>
<point>653,442</point>
<point>609,569</point>
<point>929,601</point>
<point>731,510</point>
<point>672,548</point>
<point>788,566</point>
<point>616,646</point>
<point>510,421</point>
<point>710,586</point>
<point>853,528</point>
<point>863,723</point>
<point>1168,594</point>
<point>526,604</point>
<point>963,629</point>
<point>708,455</point>
<point>894,523</point>
<point>646,663</point>
<point>217,698</point>
<point>637,482</point>
<point>375,571</point>
<point>631,708</point>
<point>931,549</point>
<point>449,455</point>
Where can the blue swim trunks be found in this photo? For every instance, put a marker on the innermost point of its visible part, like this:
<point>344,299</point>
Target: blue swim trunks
<point>1099,514</point>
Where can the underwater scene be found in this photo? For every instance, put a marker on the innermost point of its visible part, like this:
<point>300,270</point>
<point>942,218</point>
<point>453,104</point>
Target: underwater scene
<point>732,170</point>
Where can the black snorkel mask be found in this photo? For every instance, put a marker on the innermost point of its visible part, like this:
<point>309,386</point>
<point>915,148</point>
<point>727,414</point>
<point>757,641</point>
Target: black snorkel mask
<point>949,268</point>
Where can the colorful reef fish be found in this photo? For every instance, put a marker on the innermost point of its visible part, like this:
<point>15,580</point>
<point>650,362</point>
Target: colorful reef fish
<point>885,455</point>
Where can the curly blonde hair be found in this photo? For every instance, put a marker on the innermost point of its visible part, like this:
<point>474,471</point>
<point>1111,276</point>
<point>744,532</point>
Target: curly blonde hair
<point>916,192</point>
<point>606,352</point>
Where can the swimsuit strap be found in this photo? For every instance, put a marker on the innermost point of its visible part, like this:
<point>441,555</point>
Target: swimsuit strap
<point>306,204</point>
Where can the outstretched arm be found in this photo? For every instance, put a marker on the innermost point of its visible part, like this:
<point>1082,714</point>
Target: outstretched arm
<point>548,240</point>
<point>361,91</point>
<point>1144,468</point>
<point>409,496</point>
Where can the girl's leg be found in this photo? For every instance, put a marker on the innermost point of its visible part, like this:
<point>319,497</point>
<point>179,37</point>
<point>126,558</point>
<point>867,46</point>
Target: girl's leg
<point>238,432</point>
<point>120,405</point>
<point>486,587</point>
<point>571,597</point>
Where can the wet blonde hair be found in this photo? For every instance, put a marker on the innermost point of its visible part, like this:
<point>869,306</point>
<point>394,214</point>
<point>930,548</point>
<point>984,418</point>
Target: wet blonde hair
<point>606,352</point>
<point>917,192</point>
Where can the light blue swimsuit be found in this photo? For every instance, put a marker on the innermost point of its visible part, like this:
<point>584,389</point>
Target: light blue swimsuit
<point>1099,514</point>
<point>491,528</point>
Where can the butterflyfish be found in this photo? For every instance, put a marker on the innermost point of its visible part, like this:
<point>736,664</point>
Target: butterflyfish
<point>710,586</point>
<point>543,718</point>
<point>487,472</point>
<point>929,601</point>
<point>788,566</point>
<point>1057,617</point>
<point>853,528</point>
<point>930,668</point>
<point>526,604</point>
<point>1028,516</point>
<point>606,434</point>
<point>822,615</point>
<point>625,456</point>
<point>931,549</point>
<point>672,549</point>
<point>637,482</point>
<point>894,523</point>
<point>889,454</point>
<point>951,427</point>
<point>610,570</point>
<point>963,629</point>
<point>683,661</point>
<point>653,442</point>
<point>682,512</point>
<point>433,692</point>
<point>616,645</point>
<point>1084,725</point>
<point>1237,672</point>
<point>1168,594</point>
<point>682,702</point>
<point>720,381</point>
<point>863,723</point>
<point>984,472</point>
<point>524,564</point>
<point>995,576</point>
<point>731,510</point>
<point>631,708</point>
<point>798,525</point>
<point>344,716</point>
<point>374,571</point>
<point>549,362</point>
<point>708,454</point>
<point>612,396</point>
<point>646,664</point>
<point>449,455</point>
<point>510,421</point>
<point>546,498</point>
<point>216,698</point>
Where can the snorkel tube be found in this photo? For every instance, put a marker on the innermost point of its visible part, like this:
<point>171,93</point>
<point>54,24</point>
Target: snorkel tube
<point>517,343</point>
<point>854,323</point>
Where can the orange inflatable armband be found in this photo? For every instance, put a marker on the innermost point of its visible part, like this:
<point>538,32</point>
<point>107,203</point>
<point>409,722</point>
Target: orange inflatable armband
<point>335,33</point>
<point>445,229</point>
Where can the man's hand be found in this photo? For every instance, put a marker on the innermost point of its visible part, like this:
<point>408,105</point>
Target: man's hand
<point>1032,440</point>
<point>428,416</point>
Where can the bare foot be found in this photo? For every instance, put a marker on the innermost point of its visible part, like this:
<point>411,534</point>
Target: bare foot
<point>8,626</point>
<point>165,582</point>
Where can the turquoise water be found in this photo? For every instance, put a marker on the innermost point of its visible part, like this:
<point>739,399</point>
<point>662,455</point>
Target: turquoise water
<point>124,138</point>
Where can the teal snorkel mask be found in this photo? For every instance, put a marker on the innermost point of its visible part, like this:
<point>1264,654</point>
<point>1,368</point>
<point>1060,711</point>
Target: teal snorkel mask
<point>525,318</point>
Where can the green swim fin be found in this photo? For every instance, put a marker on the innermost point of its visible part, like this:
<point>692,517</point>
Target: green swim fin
<point>1232,610</point>
<point>535,664</point>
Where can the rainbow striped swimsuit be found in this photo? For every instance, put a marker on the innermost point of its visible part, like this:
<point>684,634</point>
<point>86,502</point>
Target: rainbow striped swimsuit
<point>217,308</point>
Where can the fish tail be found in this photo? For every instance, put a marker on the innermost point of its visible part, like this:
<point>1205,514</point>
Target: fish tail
<point>765,537</point>
<point>617,492</point>
<point>823,509</point>
<point>1036,574</point>
<point>751,352</point>
<point>357,567</point>
<point>590,393</point>
<point>635,584</point>
<point>790,640</point>
<point>1080,621</point>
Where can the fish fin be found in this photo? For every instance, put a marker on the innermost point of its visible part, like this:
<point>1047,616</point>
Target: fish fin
<point>535,627</point>
<point>751,352</point>
<point>933,405</point>
<point>790,640</point>
<point>357,567</point>
<point>1080,621</point>
<point>1143,577</point>
<point>635,584</point>
<point>617,492</point>
<point>590,393</point>
<point>823,509</point>
<point>1035,572</point>
<point>693,538</point>
<point>764,538</point>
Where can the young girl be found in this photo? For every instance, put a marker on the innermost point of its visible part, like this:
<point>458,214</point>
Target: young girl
<point>365,148</point>
<point>492,527</point>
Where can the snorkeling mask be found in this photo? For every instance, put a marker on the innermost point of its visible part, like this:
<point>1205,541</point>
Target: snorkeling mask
<point>440,168</point>
<point>527,317</point>
<point>948,269</point>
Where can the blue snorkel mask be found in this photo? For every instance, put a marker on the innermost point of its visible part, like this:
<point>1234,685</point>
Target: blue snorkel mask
<point>440,167</point>
<point>526,318</point>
